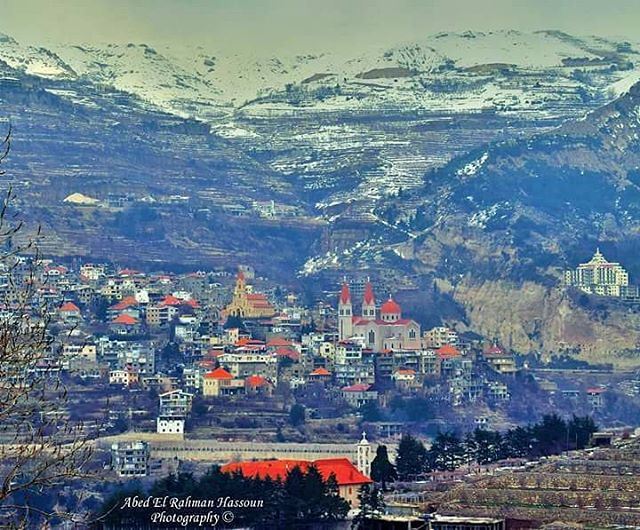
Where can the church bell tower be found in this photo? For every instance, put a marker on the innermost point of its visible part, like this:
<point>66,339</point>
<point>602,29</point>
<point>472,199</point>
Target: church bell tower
<point>364,456</point>
<point>345,313</point>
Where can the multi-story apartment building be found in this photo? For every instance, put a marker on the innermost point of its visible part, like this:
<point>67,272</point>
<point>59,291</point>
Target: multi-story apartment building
<point>439,336</point>
<point>175,403</point>
<point>599,276</point>
<point>130,459</point>
<point>348,352</point>
<point>355,374</point>
<point>242,365</point>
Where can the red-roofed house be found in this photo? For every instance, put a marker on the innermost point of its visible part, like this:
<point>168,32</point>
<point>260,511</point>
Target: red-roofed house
<point>447,352</point>
<point>500,360</point>
<point>278,342</point>
<point>69,312</point>
<point>359,395</point>
<point>406,378</point>
<point>321,375</point>
<point>292,354</point>
<point>125,325</point>
<point>128,306</point>
<point>219,382</point>
<point>256,384</point>
<point>171,300</point>
<point>348,477</point>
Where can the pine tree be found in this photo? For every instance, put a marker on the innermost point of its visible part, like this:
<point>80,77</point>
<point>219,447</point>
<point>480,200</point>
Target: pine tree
<point>412,457</point>
<point>447,452</point>
<point>382,470</point>
<point>372,506</point>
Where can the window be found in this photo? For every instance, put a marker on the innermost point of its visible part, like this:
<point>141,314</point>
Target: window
<point>372,337</point>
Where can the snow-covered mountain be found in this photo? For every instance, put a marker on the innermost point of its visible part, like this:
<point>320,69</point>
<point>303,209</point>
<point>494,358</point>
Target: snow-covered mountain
<point>471,70</point>
<point>32,60</point>
<point>345,133</point>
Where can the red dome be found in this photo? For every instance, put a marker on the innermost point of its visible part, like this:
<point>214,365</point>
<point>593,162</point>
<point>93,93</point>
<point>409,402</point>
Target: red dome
<point>390,307</point>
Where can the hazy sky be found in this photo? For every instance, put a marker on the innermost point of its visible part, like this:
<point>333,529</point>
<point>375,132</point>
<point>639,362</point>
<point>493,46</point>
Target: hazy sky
<point>302,24</point>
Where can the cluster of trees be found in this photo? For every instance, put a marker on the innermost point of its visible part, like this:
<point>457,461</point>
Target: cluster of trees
<point>551,435</point>
<point>300,496</point>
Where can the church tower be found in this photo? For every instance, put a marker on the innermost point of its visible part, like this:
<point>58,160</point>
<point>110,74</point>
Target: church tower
<point>369,302</point>
<point>364,456</point>
<point>238,306</point>
<point>345,313</point>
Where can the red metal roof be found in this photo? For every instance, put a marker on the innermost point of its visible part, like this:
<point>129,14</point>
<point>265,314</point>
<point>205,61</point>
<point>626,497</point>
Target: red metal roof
<point>278,341</point>
<point>171,300</point>
<point>447,351</point>
<point>218,373</point>
<point>362,387</point>
<point>69,307</point>
<point>320,371</point>
<point>256,381</point>
<point>345,472</point>
<point>126,320</point>
<point>126,302</point>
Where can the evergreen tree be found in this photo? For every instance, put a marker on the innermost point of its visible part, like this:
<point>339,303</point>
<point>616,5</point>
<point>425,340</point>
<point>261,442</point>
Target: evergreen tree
<point>580,431</point>
<point>370,411</point>
<point>293,486</point>
<point>382,470</point>
<point>313,492</point>
<point>517,443</point>
<point>447,452</point>
<point>297,415</point>
<point>335,507</point>
<point>488,446</point>
<point>412,457</point>
<point>372,506</point>
<point>550,434</point>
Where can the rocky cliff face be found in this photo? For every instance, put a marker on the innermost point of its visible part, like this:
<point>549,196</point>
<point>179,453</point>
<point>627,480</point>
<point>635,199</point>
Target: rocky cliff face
<point>530,317</point>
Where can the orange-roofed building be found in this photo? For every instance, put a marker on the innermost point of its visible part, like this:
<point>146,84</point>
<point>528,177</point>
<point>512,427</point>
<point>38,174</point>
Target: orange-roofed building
<point>125,324</point>
<point>69,312</point>
<point>292,354</point>
<point>347,475</point>
<point>171,301</point>
<point>256,384</point>
<point>595,397</point>
<point>126,302</point>
<point>125,320</point>
<point>129,272</point>
<point>218,373</point>
<point>447,352</point>
<point>277,342</point>
<point>406,378</point>
<point>320,374</point>
<point>219,382</point>
<point>128,305</point>
<point>500,360</point>
<point>248,305</point>
<point>359,394</point>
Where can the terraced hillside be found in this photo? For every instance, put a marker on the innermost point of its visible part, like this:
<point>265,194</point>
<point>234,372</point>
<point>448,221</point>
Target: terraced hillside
<point>596,488</point>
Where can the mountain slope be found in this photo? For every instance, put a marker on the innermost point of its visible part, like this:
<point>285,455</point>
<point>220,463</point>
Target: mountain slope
<point>504,220</point>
